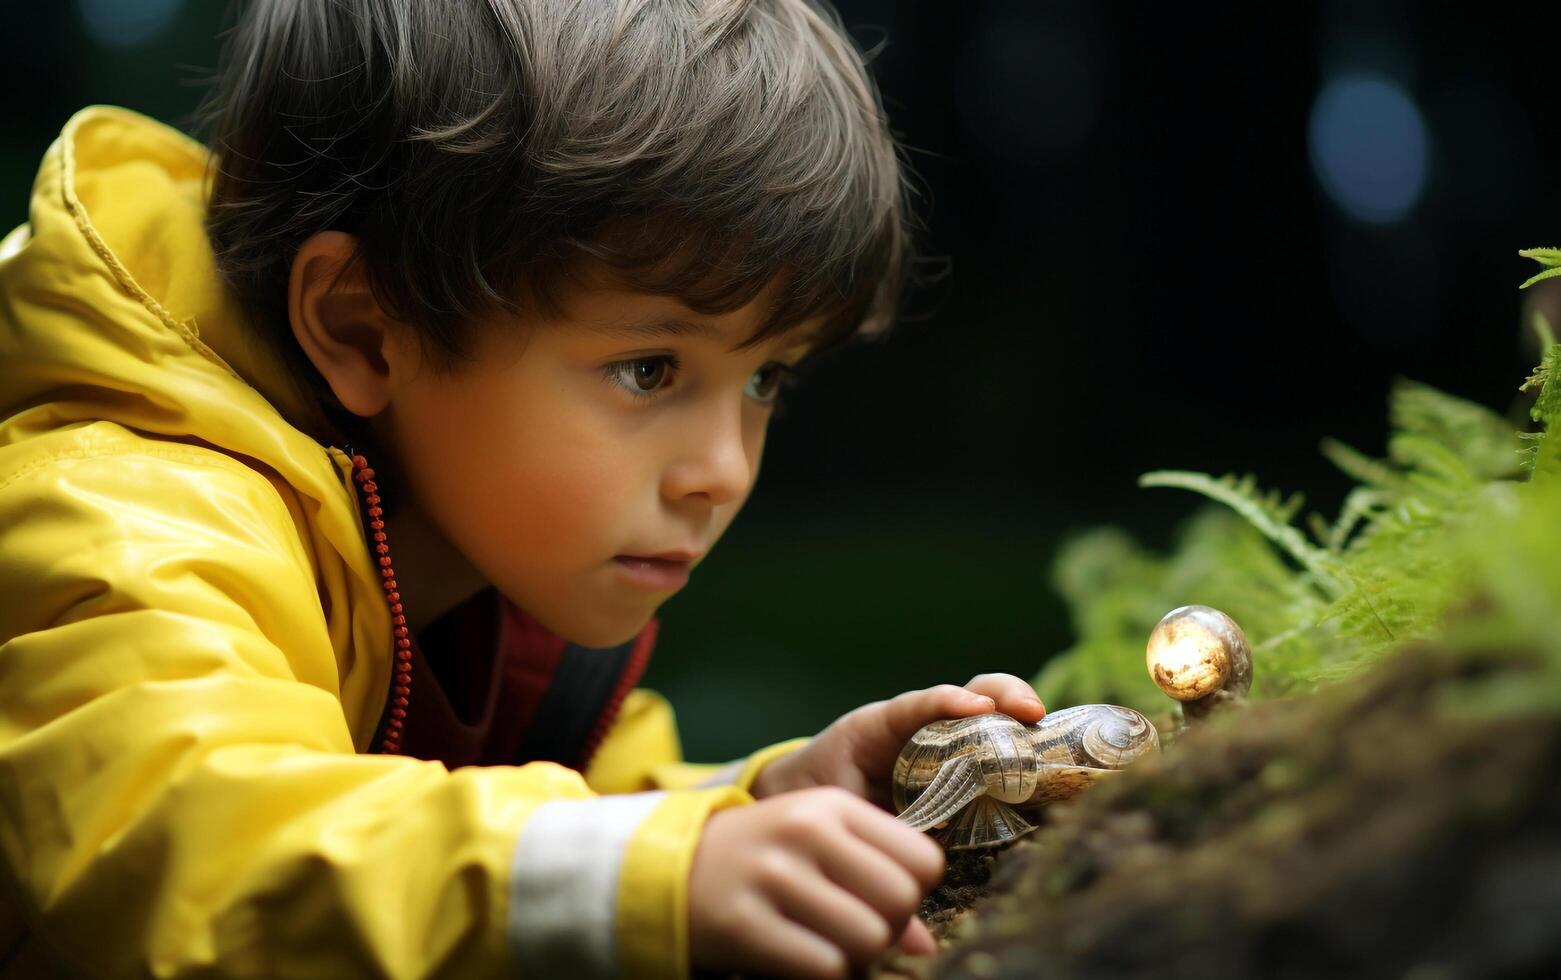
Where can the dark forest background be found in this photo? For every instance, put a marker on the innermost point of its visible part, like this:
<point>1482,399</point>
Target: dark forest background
<point>1198,236</point>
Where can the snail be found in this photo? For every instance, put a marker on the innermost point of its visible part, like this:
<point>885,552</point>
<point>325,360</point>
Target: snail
<point>982,774</point>
<point>978,780</point>
<point>1200,657</point>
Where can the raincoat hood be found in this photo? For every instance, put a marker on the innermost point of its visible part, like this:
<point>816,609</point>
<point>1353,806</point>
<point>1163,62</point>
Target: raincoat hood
<point>154,342</point>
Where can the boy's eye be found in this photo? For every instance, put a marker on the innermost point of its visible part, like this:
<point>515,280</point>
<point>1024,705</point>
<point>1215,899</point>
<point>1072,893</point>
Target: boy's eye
<point>643,376</point>
<point>764,385</point>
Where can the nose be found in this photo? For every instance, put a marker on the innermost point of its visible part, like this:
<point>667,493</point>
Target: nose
<point>718,459</point>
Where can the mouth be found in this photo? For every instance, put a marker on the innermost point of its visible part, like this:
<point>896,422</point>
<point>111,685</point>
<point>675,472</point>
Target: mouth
<point>668,570</point>
<point>682,556</point>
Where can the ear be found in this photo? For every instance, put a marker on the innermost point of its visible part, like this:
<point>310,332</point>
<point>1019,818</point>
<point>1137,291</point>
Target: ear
<point>340,325</point>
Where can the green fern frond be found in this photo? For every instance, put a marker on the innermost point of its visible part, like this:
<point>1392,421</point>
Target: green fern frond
<point>1266,513</point>
<point>1374,473</point>
<point>1547,257</point>
<point>1358,505</point>
<point>1550,258</point>
<point>1536,380</point>
<point>1319,526</point>
<point>1547,407</point>
<point>1545,461</point>
<point>1481,439</point>
<point>1432,467</point>
<point>1547,274</point>
<point>1529,454</point>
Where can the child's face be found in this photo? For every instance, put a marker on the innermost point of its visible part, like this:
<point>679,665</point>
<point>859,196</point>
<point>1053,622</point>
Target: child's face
<point>570,444</point>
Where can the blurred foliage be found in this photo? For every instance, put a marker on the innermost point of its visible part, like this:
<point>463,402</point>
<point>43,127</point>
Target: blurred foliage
<point>1464,513</point>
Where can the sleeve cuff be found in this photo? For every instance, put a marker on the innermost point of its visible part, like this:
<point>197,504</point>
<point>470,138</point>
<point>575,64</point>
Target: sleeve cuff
<point>747,770</point>
<point>599,887</point>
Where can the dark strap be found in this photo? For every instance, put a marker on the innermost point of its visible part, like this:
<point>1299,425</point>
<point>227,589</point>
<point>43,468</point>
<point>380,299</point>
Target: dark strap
<point>582,690</point>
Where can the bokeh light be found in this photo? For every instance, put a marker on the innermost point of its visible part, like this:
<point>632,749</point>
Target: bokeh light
<point>1368,143</point>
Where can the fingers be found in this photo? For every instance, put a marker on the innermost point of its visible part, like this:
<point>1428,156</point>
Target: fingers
<point>1012,695</point>
<point>890,892</point>
<point>807,884</point>
<point>907,712</point>
<point>985,692</point>
<point>779,946</point>
<point>821,906</point>
<point>875,872</point>
<point>915,852</point>
<point>917,939</point>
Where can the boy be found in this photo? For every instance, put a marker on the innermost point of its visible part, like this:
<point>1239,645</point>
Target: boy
<point>343,469</point>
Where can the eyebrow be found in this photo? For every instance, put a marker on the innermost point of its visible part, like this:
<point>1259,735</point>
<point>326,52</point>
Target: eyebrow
<point>656,327</point>
<point>668,326</point>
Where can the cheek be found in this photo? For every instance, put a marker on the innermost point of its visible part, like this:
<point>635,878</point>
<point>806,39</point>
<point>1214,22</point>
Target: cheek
<point>523,475</point>
<point>565,495</point>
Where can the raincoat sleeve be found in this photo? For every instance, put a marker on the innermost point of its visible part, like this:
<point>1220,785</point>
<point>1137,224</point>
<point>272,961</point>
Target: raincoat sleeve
<point>642,751</point>
<point>180,794</point>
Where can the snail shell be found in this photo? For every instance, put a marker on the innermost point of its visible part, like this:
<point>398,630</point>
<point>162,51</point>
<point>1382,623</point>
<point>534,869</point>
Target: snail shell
<point>1102,736</point>
<point>985,776</point>
<point>1200,657</point>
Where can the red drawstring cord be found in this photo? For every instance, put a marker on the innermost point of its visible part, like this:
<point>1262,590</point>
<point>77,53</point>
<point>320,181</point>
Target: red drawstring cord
<point>401,692</point>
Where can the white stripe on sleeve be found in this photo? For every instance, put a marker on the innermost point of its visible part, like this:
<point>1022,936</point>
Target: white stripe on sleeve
<point>564,884</point>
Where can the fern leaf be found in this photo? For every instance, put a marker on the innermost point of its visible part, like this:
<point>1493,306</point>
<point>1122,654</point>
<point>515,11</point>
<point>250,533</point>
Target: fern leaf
<point>1545,460</point>
<point>1547,257</point>
<point>1433,467</point>
<point>1537,379</point>
<point>1357,505</point>
<point>1547,407</point>
<point>1529,454</point>
<point>1537,277</point>
<point>1371,472</point>
<point>1319,526</point>
<point>1550,258</point>
<point>1264,513</point>
<point>1480,438</point>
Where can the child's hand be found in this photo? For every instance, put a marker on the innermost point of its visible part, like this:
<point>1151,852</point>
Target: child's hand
<point>808,884</point>
<point>859,749</point>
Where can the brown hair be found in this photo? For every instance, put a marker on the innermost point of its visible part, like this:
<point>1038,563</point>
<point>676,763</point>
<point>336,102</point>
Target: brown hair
<point>478,148</point>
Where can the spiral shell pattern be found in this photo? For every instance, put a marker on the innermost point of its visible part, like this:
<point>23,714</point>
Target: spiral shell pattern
<point>1100,736</point>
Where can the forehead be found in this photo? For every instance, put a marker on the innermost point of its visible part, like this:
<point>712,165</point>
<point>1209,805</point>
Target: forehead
<point>604,305</point>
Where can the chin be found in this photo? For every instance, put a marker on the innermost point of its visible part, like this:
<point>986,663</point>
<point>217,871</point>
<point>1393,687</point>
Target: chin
<point>598,633</point>
<point>583,621</point>
<point>602,638</point>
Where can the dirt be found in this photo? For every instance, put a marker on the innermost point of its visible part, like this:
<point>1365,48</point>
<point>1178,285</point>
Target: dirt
<point>966,882</point>
<point>1365,831</point>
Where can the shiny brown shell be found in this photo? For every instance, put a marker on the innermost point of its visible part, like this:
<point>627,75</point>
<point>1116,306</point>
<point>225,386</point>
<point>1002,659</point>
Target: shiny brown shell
<point>1200,657</point>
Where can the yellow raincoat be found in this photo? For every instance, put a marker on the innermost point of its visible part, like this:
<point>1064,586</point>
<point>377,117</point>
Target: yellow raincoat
<point>194,653</point>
